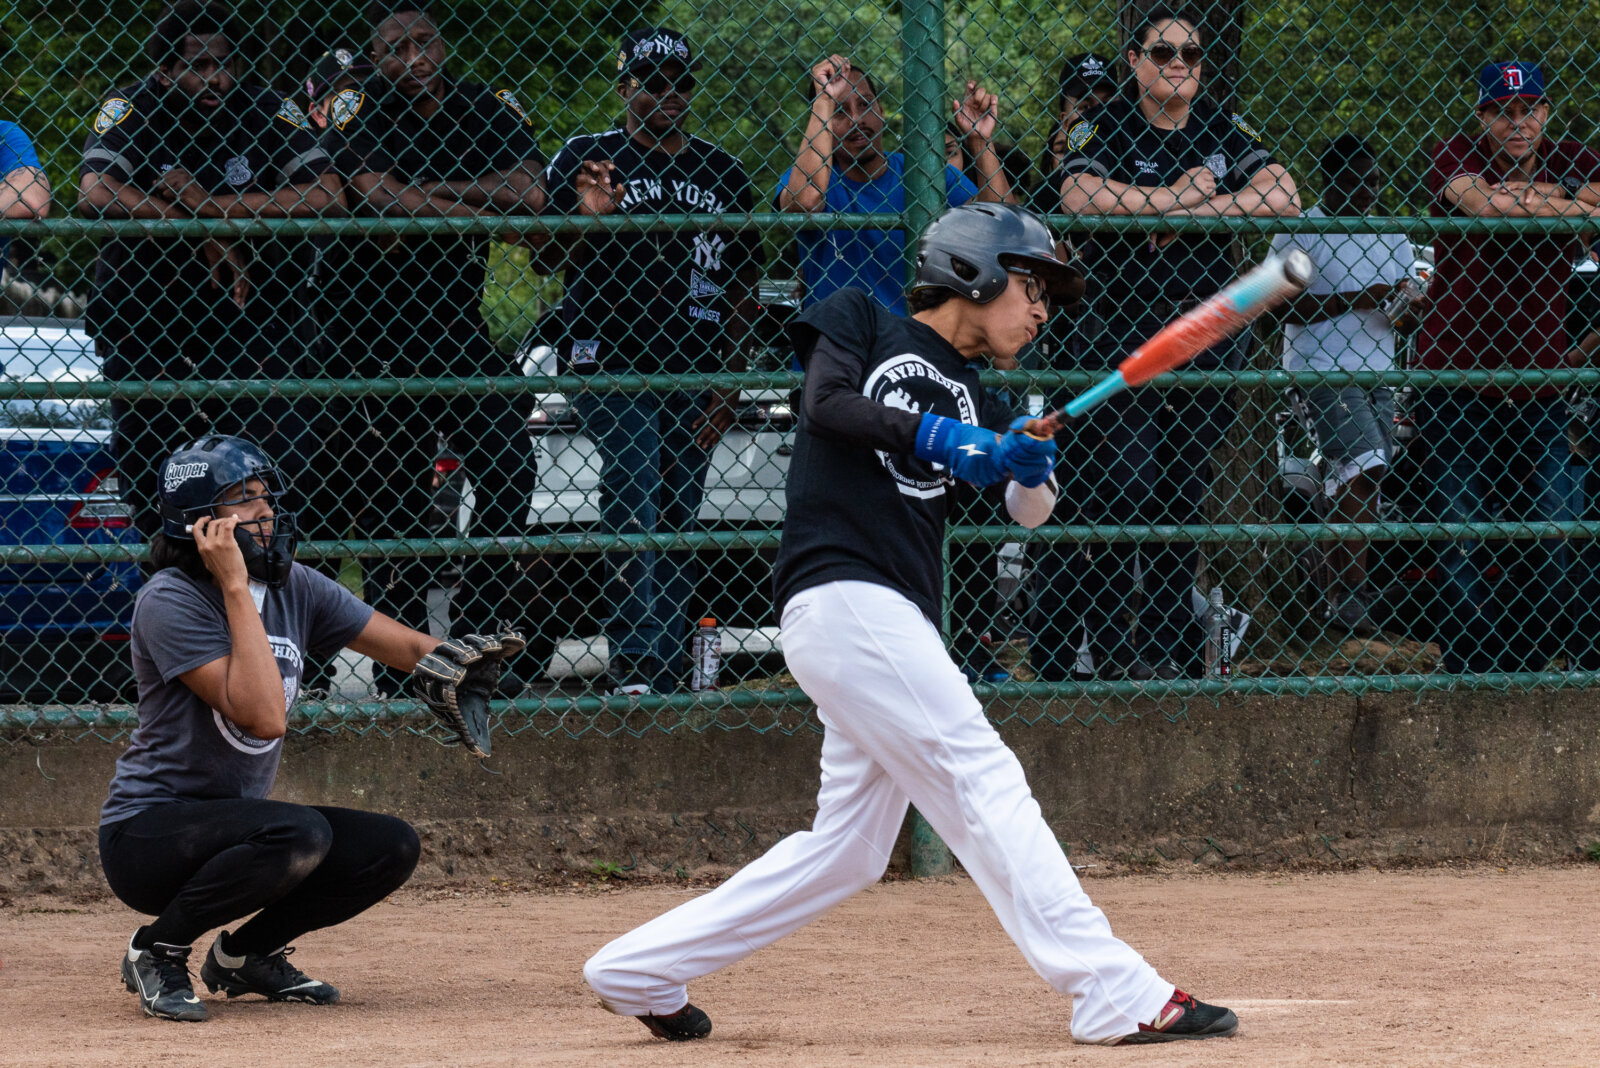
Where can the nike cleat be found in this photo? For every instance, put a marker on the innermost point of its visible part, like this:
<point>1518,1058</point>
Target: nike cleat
<point>160,976</point>
<point>268,974</point>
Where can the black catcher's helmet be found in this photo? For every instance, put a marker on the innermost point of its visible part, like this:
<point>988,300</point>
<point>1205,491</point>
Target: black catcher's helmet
<point>213,471</point>
<point>969,249</point>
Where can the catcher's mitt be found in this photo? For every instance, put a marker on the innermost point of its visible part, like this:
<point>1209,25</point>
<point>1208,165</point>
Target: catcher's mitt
<point>457,680</point>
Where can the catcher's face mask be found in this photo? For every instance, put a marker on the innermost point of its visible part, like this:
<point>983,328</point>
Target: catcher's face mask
<point>266,539</point>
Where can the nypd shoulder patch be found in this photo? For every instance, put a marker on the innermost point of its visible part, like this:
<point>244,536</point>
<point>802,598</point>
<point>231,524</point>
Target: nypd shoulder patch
<point>1244,127</point>
<point>346,106</point>
<point>1080,135</point>
<point>112,112</point>
<point>290,113</point>
<point>505,97</point>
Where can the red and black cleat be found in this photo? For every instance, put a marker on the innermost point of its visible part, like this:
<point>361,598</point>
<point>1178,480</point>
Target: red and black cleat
<point>1184,1018</point>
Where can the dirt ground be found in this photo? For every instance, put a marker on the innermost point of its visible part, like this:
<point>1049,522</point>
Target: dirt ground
<point>1481,966</point>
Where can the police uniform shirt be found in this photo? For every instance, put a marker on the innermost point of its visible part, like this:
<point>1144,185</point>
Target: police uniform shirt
<point>653,302</point>
<point>253,141</point>
<point>1134,276</point>
<point>861,505</point>
<point>476,130</point>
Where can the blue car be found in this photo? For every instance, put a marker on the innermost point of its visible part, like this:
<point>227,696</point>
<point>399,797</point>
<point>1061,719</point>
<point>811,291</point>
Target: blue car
<point>63,627</point>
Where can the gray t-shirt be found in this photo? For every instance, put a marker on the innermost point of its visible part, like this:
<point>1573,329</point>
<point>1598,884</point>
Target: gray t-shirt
<point>183,750</point>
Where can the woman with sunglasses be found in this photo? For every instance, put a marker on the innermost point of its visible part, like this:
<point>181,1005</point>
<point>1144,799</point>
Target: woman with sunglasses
<point>188,836</point>
<point>1161,150</point>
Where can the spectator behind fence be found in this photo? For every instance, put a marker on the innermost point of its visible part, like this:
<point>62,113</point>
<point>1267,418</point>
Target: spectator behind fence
<point>1086,82</point>
<point>1339,324</point>
<point>190,142</point>
<point>669,302</point>
<point>1146,455</point>
<point>1499,301</point>
<point>24,189</point>
<point>336,69</point>
<point>842,167</point>
<point>414,142</point>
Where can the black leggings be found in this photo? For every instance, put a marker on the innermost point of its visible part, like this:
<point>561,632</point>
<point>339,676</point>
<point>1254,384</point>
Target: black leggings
<point>204,864</point>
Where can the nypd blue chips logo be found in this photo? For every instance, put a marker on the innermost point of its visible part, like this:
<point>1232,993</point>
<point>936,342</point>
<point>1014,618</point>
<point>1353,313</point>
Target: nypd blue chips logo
<point>1080,135</point>
<point>505,97</point>
<point>290,113</point>
<point>112,112</point>
<point>346,105</point>
<point>1244,127</point>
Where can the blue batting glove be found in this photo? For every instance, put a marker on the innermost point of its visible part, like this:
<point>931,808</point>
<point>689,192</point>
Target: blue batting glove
<point>1029,460</point>
<point>970,452</point>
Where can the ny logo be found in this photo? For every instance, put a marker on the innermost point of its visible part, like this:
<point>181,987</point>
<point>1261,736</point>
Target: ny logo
<point>1513,78</point>
<point>708,251</point>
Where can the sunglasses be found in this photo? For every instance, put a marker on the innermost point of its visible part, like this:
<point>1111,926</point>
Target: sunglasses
<point>1162,54</point>
<point>659,84</point>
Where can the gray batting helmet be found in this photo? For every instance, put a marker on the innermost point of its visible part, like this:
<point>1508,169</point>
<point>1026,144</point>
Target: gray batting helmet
<point>969,249</point>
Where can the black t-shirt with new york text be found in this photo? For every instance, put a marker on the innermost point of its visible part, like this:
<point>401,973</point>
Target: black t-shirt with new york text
<point>861,505</point>
<point>1129,273</point>
<point>652,302</point>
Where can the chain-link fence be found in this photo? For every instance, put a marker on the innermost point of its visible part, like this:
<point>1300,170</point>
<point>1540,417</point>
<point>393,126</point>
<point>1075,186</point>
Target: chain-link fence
<point>504,291</point>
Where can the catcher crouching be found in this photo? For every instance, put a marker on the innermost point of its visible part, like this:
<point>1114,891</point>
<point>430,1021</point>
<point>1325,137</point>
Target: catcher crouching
<point>219,640</point>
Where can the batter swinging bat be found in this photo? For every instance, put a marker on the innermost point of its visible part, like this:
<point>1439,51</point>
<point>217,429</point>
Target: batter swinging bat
<point>1221,315</point>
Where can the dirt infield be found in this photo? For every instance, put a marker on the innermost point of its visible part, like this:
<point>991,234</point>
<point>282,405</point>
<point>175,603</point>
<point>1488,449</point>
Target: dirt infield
<point>1482,966</point>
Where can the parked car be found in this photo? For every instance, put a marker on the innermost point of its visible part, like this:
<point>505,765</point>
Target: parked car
<point>744,486</point>
<point>63,627</point>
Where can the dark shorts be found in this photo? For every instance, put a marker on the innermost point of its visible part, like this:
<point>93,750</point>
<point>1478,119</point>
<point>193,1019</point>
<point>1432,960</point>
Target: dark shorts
<point>1354,428</point>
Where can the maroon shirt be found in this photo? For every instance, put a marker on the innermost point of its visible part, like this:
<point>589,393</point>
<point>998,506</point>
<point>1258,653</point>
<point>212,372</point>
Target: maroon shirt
<point>1500,300</point>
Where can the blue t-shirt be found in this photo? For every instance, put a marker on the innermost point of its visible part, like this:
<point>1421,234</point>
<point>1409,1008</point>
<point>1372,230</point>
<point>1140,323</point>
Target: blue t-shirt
<point>871,260</point>
<point>16,152</point>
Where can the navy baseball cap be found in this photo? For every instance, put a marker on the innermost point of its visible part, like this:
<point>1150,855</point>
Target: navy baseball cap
<point>1503,81</point>
<point>652,46</point>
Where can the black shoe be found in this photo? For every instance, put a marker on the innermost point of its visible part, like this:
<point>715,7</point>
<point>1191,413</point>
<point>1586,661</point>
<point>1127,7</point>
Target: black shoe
<point>628,676</point>
<point>686,1024</point>
<point>268,974</point>
<point>1168,670</point>
<point>160,976</point>
<point>1137,671</point>
<point>1184,1018</point>
<point>1355,616</point>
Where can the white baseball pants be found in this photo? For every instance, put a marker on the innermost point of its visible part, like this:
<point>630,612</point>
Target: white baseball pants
<point>901,725</point>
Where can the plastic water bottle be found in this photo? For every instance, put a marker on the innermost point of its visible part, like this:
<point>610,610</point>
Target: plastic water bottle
<point>706,649</point>
<point>1218,638</point>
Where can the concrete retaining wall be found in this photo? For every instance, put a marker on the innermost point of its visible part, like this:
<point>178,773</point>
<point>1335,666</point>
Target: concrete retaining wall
<point>1248,782</point>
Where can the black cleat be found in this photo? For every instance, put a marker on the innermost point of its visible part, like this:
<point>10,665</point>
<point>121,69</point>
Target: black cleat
<point>1183,1018</point>
<point>268,974</point>
<point>682,1026</point>
<point>160,976</point>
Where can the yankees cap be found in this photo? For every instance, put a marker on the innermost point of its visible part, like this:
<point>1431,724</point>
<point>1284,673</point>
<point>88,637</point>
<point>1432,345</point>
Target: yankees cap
<point>652,46</point>
<point>1504,81</point>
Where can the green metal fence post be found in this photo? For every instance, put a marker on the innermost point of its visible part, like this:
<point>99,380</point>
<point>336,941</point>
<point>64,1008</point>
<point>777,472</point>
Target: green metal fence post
<point>922,35</point>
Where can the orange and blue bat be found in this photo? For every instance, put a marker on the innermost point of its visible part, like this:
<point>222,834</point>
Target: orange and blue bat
<point>1221,315</point>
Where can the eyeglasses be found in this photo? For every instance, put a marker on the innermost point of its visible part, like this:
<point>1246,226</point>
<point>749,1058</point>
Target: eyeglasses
<point>1033,286</point>
<point>659,84</point>
<point>1162,54</point>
